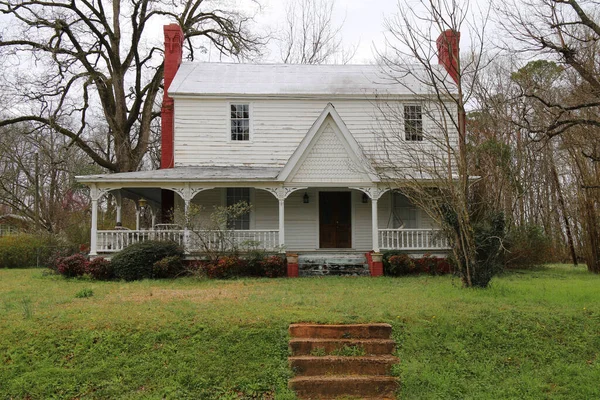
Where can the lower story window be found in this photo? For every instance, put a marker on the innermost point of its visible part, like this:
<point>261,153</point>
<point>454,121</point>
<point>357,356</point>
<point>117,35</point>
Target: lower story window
<point>234,196</point>
<point>405,213</point>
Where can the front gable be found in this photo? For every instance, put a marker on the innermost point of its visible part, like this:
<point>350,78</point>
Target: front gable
<point>327,154</point>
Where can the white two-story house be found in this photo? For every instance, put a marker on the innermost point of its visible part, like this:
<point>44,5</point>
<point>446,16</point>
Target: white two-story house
<point>299,143</point>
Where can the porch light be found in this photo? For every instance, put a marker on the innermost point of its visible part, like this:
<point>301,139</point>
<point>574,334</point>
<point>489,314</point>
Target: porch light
<point>305,198</point>
<point>365,198</point>
<point>142,202</point>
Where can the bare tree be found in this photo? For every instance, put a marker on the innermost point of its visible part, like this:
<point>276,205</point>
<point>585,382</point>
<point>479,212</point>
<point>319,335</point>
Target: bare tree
<point>425,138</point>
<point>36,177</point>
<point>81,61</point>
<point>567,31</point>
<point>309,35</point>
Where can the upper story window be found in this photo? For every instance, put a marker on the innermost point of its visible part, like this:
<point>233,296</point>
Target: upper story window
<point>240,121</point>
<point>413,123</point>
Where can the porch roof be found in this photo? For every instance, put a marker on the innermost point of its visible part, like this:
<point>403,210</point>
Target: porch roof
<point>189,174</point>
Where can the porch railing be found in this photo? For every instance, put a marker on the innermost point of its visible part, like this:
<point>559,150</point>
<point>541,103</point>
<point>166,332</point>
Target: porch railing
<point>412,239</point>
<point>116,240</point>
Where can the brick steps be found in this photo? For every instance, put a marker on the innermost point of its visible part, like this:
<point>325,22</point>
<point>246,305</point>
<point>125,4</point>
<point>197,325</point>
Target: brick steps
<point>342,365</point>
<point>307,346</point>
<point>332,361</point>
<point>356,331</point>
<point>331,387</point>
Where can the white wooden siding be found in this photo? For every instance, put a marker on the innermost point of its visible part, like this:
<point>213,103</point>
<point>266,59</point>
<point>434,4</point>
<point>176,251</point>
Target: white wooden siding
<point>278,126</point>
<point>302,221</point>
<point>361,222</point>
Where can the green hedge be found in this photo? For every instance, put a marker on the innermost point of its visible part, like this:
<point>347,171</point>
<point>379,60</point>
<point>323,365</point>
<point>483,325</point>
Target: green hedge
<point>137,261</point>
<point>20,251</point>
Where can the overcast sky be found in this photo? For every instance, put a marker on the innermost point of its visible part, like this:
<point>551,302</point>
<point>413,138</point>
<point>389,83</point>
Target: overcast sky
<point>363,23</point>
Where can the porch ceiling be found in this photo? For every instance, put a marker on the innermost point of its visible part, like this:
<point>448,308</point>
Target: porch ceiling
<point>188,174</point>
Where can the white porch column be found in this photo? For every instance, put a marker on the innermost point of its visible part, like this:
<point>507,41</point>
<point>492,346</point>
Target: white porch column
<point>186,231</point>
<point>119,201</point>
<point>282,225</point>
<point>375,224</point>
<point>95,194</point>
<point>137,218</point>
<point>94,238</point>
<point>153,215</point>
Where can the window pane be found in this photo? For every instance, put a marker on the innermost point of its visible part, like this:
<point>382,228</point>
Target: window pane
<point>413,123</point>
<point>234,196</point>
<point>240,122</point>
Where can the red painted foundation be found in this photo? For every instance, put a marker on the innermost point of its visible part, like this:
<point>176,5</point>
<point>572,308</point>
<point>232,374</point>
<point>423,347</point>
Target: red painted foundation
<point>375,267</point>
<point>292,270</point>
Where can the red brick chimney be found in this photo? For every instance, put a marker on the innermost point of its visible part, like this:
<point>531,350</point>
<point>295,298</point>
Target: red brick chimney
<point>173,54</point>
<point>448,51</point>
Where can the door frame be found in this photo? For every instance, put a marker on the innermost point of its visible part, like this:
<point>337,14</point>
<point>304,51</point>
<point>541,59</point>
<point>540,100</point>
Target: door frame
<point>319,190</point>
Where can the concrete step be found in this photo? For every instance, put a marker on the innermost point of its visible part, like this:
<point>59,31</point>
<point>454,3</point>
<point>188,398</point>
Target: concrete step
<point>333,270</point>
<point>331,387</point>
<point>331,258</point>
<point>350,331</point>
<point>337,365</point>
<point>309,346</point>
<point>332,263</point>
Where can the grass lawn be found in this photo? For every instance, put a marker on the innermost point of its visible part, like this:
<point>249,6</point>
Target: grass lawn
<point>533,334</point>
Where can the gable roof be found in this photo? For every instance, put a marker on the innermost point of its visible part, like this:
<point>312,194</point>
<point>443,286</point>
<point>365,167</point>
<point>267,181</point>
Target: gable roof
<point>221,79</point>
<point>350,144</point>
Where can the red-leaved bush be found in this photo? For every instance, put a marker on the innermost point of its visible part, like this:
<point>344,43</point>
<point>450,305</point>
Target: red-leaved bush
<point>72,266</point>
<point>100,269</point>
<point>274,266</point>
<point>224,268</point>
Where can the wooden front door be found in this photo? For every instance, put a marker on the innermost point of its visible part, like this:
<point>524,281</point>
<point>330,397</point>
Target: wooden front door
<point>335,220</point>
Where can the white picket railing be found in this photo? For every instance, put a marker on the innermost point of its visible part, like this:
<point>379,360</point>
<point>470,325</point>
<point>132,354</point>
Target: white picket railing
<point>116,240</point>
<point>412,239</point>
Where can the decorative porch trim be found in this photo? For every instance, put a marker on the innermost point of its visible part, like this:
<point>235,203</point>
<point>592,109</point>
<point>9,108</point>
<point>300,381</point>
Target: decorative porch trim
<point>308,141</point>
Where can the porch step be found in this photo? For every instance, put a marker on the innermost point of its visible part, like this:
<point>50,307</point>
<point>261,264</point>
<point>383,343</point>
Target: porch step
<point>335,263</point>
<point>340,365</point>
<point>358,368</point>
<point>308,346</point>
<point>349,331</point>
<point>332,387</point>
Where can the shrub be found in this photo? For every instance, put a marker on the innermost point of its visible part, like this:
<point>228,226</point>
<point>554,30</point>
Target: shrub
<point>100,269</point>
<point>253,265</point>
<point>489,235</point>
<point>398,263</point>
<point>224,268</point>
<point>443,266</point>
<point>53,251</point>
<point>168,267</point>
<point>401,264</point>
<point>72,266</point>
<point>432,265</point>
<point>137,261</point>
<point>20,251</point>
<point>274,266</point>
<point>527,246</point>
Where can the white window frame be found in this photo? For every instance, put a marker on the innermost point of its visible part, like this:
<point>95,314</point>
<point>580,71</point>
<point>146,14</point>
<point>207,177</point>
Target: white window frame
<point>419,137</point>
<point>250,121</point>
<point>411,208</point>
<point>252,202</point>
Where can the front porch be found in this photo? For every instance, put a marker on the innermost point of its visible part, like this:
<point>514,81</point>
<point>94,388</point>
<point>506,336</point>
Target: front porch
<point>409,240</point>
<point>281,218</point>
